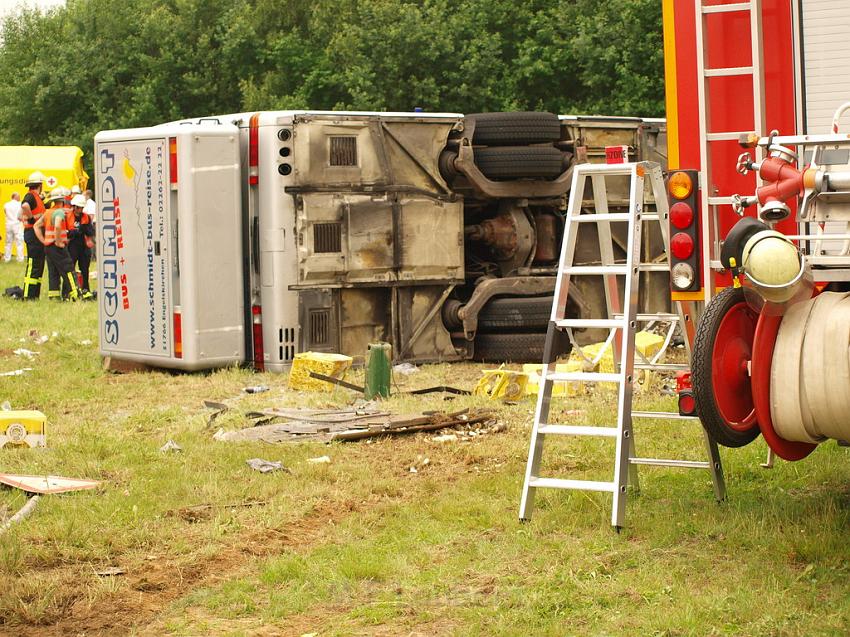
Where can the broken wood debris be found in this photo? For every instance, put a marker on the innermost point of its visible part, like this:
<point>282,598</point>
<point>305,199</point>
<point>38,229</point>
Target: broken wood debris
<point>328,425</point>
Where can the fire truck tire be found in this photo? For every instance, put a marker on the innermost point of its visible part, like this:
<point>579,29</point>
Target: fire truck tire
<point>518,162</point>
<point>519,313</point>
<point>719,370</point>
<point>515,129</point>
<point>509,348</point>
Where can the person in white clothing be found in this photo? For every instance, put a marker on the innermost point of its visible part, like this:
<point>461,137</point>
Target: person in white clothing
<point>91,210</point>
<point>91,207</point>
<point>14,228</point>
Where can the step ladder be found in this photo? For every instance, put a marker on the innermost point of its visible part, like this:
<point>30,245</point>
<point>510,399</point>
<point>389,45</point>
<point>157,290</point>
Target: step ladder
<point>709,202</point>
<point>622,321</point>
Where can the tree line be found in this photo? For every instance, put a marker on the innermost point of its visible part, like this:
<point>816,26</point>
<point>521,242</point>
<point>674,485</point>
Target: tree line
<point>99,64</point>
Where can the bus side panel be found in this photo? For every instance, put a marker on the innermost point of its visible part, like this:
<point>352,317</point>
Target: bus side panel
<point>133,241</point>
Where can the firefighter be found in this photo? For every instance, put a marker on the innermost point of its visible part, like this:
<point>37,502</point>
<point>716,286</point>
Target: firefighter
<point>80,242</point>
<point>32,210</point>
<point>52,231</point>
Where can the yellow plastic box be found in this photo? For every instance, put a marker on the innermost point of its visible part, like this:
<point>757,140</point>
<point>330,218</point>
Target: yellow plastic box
<point>23,429</point>
<point>334,365</point>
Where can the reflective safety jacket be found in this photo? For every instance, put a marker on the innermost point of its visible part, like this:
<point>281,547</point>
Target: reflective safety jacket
<point>55,230</point>
<point>36,212</point>
<point>79,226</point>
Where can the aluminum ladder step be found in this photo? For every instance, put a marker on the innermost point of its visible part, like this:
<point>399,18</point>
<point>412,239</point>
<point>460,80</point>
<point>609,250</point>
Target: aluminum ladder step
<point>590,323</point>
<point>663,367</point>
<point>581,485</point>
<point>613,323</point>
<point>613,217</point>
<point>660,316</point>
<point>587,377</point>
<point>662,415</point>
<point>681,464</point>
<point>597,269</point>
<point>578,430</point>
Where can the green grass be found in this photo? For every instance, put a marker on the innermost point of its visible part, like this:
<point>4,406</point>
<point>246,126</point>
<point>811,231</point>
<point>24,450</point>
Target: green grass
<point>364,546</point>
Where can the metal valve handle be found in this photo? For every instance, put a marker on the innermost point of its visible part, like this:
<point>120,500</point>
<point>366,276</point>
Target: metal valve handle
<point>739,203</point>
<point>745,163</point>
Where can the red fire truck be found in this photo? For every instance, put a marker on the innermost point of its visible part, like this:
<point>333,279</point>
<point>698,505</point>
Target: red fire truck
<point>759,161</point>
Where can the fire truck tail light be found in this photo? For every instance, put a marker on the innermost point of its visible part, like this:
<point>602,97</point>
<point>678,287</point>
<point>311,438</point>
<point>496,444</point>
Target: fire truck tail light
<point>682,276</point>
<point>680,185</point>
<point>684,229</point>
<point>681,215</point>
<point>172,159</point>
<point>681,245</point>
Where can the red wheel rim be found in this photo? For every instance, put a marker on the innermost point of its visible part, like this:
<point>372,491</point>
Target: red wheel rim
<point>763,344</point>
<point>730,377</point>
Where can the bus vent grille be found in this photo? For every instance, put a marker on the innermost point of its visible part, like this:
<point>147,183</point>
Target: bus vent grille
<point>343,151</point>
<point>327,237</point>
<point>320,327</point>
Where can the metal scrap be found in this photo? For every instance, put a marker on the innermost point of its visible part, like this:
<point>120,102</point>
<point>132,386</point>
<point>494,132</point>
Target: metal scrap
<point>170,446</point>
<point>266,466</point>
<point>328,425</point>
<point>337,381</point>
<point>219,409</point>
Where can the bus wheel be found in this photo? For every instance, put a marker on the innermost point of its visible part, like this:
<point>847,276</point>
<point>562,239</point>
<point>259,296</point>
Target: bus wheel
<point>721,369</point>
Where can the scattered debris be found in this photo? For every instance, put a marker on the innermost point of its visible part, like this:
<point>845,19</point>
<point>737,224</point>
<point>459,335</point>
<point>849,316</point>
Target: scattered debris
<point>6,406</point>
<point>472,430</point>
<point>26,353</point>
<point>170,446</point>
<point>85,342</point>
<point>320,460</point>
<point>337,381</point>
<point>327,425</point>
<point>17,372</point>
<point>37,338</point>
<point>46,484</point>
<point>501,383</point>
<point>421,463</point>
<point>266,466</point>
<point>445,438</point>
<point>25,510</point>
<point>219,408</point>
<point>439,388</point>
<point>405,369</point>
<point>110,571</point>
<point>256,389</point>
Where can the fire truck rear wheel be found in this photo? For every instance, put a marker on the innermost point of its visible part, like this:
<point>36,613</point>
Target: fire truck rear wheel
<point>514,129</point>
<point>720,369</point>
<point>509,348</point>
<point>517,162</point>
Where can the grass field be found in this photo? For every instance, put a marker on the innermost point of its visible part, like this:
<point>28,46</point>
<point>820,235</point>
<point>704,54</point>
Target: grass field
<point>364,546</point>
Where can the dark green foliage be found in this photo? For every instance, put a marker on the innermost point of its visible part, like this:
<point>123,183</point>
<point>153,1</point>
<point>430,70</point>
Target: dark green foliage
<point>100,64</point>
